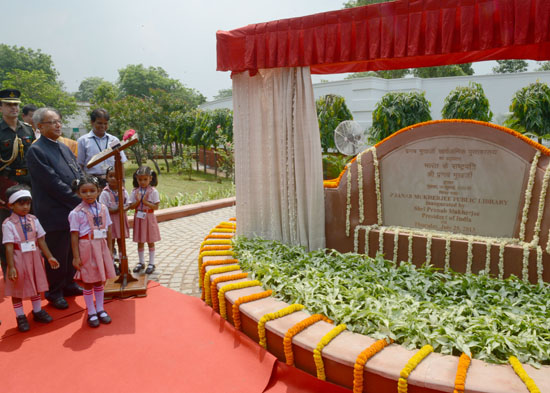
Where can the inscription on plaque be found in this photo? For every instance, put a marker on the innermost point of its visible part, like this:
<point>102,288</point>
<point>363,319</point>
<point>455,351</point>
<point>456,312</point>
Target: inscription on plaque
<point>454,184</point>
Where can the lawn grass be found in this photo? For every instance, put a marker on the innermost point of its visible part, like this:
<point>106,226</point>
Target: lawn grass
<point>171,184</point>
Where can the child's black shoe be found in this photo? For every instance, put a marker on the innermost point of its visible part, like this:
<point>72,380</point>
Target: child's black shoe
<point>93,322</point>
<point>150,269</point>
<point>103,317</point>
<point>42,316</point>
<point>22,323</point>
<point>139,267</point>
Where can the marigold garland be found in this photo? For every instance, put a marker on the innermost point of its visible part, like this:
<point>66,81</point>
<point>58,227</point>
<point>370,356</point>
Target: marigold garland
<point>360,186</point>
<point>212,254</point>
<point>233,219</point>
<point>215,263</point>
<point>539,265</point>
<point>362,359</point>
<point>377,184</point>
<point>470,257</point>
<point>232,287</point>
<point>528,192</point>
<point>516,134</point>
<point>208,274</point>
<point>525,268</point>
<point>219,236</point>
<point>274,315</point>
<point>218,242</point>
<point>317,352</point>
<point>222,230</point>
<point>410,248</point>
<point>542,202</point>
<point>226,224</point>
<point>294,330</point>
<point>429,248</point>
<point>247,299</point>
<point>214,287</point>
<point>520,371</point>
<point>216,248</point>
<point>402,385</point>
<point>462,368</point>
<point>348,200</point>
<point>447,254</point>
<point>395,245</point>
<point>381,239</point>
<point>488,246</point>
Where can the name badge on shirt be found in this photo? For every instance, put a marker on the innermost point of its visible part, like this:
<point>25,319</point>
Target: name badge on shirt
<point>28,246</point>
<point>141,214</point>
<point>100,233</point>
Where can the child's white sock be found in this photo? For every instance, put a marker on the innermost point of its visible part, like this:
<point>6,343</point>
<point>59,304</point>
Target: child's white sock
<point>152,256</point>
<point>18,307</point>
<point>141,256</point>
<point>99,295</point>
<point>89,300</point>
<point>36,303</point>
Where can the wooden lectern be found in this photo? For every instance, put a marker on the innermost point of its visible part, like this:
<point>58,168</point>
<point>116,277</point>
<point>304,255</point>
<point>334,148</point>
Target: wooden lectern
<point>126,284</point>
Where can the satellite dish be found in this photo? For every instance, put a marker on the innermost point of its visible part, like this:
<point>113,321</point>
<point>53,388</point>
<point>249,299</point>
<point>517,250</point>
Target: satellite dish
<point>350,139</point>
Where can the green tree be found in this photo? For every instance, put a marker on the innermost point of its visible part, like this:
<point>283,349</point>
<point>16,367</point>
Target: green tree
<point>136,80</point>
<point>19,58</point>
<point>544,66</point>
<point>386,74</point>
<point>37,88</point>
<point>531,111</point>
<point>104,92</point>
<point>510,66</point>
<point>223,93</point>
<point>87,88</point>
<point>443,71</point>
<point>331,111</point>
<point>467,102</point>
<point>396,111</point>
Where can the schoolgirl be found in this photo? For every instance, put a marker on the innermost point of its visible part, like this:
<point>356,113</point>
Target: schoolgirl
<point>26,276</point>
<point>145,199</point>
<point>91,243</point>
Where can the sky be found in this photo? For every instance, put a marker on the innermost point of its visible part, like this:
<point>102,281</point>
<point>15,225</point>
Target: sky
<point>98,38</point>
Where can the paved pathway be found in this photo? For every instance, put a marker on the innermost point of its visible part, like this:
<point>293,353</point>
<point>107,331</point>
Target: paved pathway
<point>177,253</point>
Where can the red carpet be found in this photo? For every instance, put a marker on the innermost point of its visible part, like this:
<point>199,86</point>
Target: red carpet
<point>165,342</point>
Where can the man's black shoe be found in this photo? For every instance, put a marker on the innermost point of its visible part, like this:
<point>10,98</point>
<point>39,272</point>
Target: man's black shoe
<point>59,303</point>
<point>72,290</point>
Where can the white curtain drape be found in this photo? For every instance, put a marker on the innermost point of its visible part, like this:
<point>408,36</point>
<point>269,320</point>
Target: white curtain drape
<point>278,163</point>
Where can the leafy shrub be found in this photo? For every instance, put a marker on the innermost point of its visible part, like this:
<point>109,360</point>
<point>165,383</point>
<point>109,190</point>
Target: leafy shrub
<point>331,111</point>
<point>467,102</point>
<point>531,111</point>
<point>477,314</point>
<point>396,111</point>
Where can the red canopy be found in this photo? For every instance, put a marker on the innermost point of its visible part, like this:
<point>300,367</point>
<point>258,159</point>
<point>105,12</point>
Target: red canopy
<point>394,35</point>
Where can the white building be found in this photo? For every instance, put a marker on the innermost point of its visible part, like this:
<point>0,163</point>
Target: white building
<point>76,125</point>
<point>362,94</point>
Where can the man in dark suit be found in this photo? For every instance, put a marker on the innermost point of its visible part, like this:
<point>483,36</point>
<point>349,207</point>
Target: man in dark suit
<point>53,168</point>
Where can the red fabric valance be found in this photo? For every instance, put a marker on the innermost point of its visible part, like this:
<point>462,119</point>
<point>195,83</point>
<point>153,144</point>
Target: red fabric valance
<point>394,35</point>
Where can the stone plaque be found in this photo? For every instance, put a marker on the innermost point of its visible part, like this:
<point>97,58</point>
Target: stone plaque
<point>455,184</point>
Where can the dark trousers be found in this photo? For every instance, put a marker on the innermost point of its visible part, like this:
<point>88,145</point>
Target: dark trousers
<point>59,243</point>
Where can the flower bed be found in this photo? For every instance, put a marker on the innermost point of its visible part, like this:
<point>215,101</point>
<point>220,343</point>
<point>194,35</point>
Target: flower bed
<point>339,355</point>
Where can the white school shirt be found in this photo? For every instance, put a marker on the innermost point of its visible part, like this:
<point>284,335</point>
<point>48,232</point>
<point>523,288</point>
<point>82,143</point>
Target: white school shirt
<point>105,198</point>
<point>154,197</point>
<point>89,145</point>
<point>10,234</point>
<point>78,221</point>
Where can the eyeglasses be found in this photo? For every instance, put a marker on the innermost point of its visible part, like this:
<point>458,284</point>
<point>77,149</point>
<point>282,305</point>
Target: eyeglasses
<point>53,122</point>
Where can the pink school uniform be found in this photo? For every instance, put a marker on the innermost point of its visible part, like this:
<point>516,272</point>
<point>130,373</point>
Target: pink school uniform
<point>109,198</point>
<point>31,275</point>
<point>146,228</point>
<point>97,262</point>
